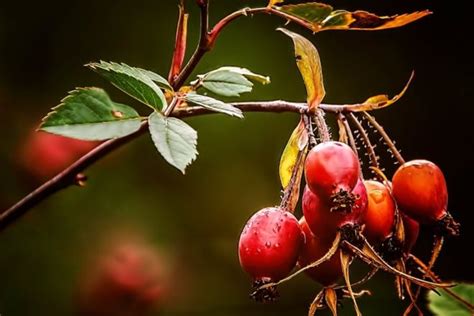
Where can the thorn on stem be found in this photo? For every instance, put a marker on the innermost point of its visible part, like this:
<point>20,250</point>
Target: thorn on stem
<point>80,180</point>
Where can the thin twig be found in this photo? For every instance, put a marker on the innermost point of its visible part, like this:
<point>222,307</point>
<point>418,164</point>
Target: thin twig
<point>342,118</point>
<point>309,128</point>
<point>204,46</point>
<point>365,138</point>
<point>435,278</point>
<point>386,138</point>
<point>68,176</point>
<point>321,125</point>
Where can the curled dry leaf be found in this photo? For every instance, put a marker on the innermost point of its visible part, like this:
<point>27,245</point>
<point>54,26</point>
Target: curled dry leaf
<point>321,17</point>
<point>345,263</point>
<point>331,300</point>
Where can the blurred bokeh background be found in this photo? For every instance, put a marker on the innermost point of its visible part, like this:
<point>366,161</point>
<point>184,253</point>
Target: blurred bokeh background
<point>194,220</point>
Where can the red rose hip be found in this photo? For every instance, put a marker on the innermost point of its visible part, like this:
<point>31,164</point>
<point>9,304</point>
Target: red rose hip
<point>380,215</point>
<point>269,245</point>
<point>331,168</point>
<point>420,190</point>
<point>313,249</point>
<point>412,229</point>
<point>323,223</point>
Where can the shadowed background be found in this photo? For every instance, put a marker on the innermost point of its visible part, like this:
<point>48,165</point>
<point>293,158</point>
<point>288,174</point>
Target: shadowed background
<point>195,220</point>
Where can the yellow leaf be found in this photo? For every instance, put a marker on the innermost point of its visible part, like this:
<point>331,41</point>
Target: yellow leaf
<point>297,143</point>
<point>273,2</point>
<point>309,64</point>
<point>377,99</point>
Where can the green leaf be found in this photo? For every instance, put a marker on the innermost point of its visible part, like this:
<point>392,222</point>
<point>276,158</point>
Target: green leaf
<point>320,17</point>
<point>230,81</point>
<point>89,114</point>
<point>213,104</point>
<point>445,304</point>
<point>136,82</point>
<point>159,80</point>
<point>175,140</point>
<point>309,64</point>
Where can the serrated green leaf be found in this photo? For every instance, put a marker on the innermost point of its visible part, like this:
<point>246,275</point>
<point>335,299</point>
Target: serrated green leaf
<point>136,82</point>
<point>175,140</point>
<point>159,80</point>
<point>320,17</point>
<point>231,81</point>
<point>213,104</point>
<point>244,72</point>
<point>444,304</point>
<point>309,64</point>
<point>89,114</point>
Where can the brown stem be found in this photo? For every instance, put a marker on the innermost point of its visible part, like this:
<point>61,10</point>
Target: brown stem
<point>342,118</point>
<point>68,176</point>
<point>64,179</point>
<point>365,138</point>
<point>386,138</point>
<point>435,278</point>
<point>321,125</point>
<point>208,38</point>
<point>309,128</point>
<point>203,46</point>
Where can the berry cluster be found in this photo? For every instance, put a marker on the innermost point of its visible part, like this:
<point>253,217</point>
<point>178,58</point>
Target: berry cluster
<point>344,217</point>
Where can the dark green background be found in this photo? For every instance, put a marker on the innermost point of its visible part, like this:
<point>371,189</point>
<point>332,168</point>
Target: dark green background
<point>196,219</point>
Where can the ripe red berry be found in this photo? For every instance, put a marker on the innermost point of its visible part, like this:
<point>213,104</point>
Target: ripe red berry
<point>331,168</point>
<point>269,245</point>
<point>45,154</point>
<point>323,223</point>
<point>380,215</point>
<point>420,190</point>
<point>313,249</point>
<point>412,229</point>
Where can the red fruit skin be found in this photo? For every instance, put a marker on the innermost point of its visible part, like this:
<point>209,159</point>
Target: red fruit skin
<point>44,155</point>
<point>331,167</point>
<point>269,244</point>
<point>380,215</point>
<point>420,190</point>
<point>313,249</point>
<point>324,223</point>
<point>412,229</point>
